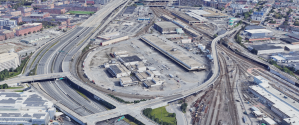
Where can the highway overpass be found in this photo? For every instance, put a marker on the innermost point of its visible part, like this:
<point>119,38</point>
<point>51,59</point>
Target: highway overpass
<point>35,78</point>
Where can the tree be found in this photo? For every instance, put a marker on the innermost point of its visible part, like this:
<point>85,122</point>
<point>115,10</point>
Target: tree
<point>183,107</point>
<point>215,35</point>
<point>29,32</point>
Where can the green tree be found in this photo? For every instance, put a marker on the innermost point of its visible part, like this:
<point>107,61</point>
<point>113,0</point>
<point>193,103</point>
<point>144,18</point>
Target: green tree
<point>183,107</point>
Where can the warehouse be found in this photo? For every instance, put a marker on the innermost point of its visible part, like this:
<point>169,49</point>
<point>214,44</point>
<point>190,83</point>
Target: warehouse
<point>167,28</point>
<point>178,56</point>
<point>266,49</point>
<point>210,14</point>
<point>280,104</point>
<point>197,15</point>
<point>34,38</point>
<point>118,71</point>
<point>258,33</point>
<point>290,40</point>
<point>185,17</point>
<point>253,27</point>
<point>27,108</point>
<point>128,81</point>
<point>142,76</point>
<point>130,60</point>
<point>129,11</point>
<point>114,40</point>
<point>153,82</point>
<point>9,60</point>
<point>292,48</point>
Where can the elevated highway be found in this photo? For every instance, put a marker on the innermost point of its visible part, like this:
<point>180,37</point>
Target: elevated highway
<point>35,78</point>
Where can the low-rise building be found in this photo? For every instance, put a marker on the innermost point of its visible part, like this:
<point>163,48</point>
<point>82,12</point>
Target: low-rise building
<point>128,81</point>
<point>39,15</point>
<point>9,60</point>
<point>152,82</point>
<point>142,76</point>
<point>129,11</point>
<point>27,108</point>
<point>6,34</point>
<point>266,49</point>
<point>53,10</point>
<point>166,27</point>
<point>34,38</point>
<point>29,28</point>
<point>118,71</point>
<point>130,60</point>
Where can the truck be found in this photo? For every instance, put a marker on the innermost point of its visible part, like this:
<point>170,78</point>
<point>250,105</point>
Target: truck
<point>244,119</point>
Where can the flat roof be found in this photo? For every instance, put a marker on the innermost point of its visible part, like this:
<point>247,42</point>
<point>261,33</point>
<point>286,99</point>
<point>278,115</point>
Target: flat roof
<point>287,105</point>
<point>130,59</point>
<point>289,40</point>
<point>166,24</point>
<point>186,17</point>
<point>265,47</point>
<point>258,31</point>
<point>251,27</point>
<point>178,55</point>
<point>115,69</point>
<point>269,121</point>
<point>129,10</point>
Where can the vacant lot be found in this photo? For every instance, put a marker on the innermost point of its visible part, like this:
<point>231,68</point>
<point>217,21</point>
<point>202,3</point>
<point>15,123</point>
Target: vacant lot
<point>163,115</point>
<point>81,12</point>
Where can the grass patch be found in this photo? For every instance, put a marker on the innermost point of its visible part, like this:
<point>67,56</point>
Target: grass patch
<point>19,91</point>
<point>130,122</point>
<point>84,96</point>
<point>81,12</point>
<point>161,116</point>
<point>15,87</point>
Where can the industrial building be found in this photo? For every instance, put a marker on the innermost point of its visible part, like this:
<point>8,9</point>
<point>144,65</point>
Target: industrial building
<point>253,27</point>
<point>26,108</point>
<point>286,58</point>
<point>34,38</point>
<point>118,71</point>
<point>259,33</point>
<point>208,14</point>
<point>128,81</point>
<point>266,49</point>
<point>130,60</point>
<point>197,15</point>
<point>142,76</point>
<point>280,104</point>
<point>114,40</point>
<point>9,60</point>
<point>290,40</point>
<point>167,28</point>
<point>176,55</point>
<point>129,11</point>
<point>292,48</point>
<point>185,17</point>
<point>153,82</point>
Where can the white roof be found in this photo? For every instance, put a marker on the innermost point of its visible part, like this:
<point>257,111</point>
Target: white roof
<point>259,31</point>
<point>278,57</point>
<point>293,46</point>
<point>287,105</point>
<point>257,112</point>
<point>196,16</point>
<point>269,121</point>
<point>199,12</point>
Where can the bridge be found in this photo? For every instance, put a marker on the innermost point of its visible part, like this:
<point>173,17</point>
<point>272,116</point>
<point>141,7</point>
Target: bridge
<point>41,77</point>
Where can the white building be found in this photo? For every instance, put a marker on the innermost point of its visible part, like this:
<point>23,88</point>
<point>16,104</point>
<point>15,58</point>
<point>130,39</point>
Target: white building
<point>34,38</point>
<point>25,108</point>
<point>280,104</point>
<point>152,82</point>
<point>260,79</point>
<point>127,81</point>
<point>9,60</point>
<point>7,21</point>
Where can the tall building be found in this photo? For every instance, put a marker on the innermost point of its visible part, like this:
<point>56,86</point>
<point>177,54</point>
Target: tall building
<point>26,108</point>
<point>9,60</point>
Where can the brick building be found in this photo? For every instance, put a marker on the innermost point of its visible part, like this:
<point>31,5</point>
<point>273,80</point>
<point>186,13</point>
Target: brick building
<point>78,8</point>
<point>42,5</point>
<point>54,10</point>
<point>15,13</point>
<point>6,34</point>
<point>33,27</point>
<point>57,19</point>
<point>25,11</point>
<point>39,15</point>
<point>17,18</point>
